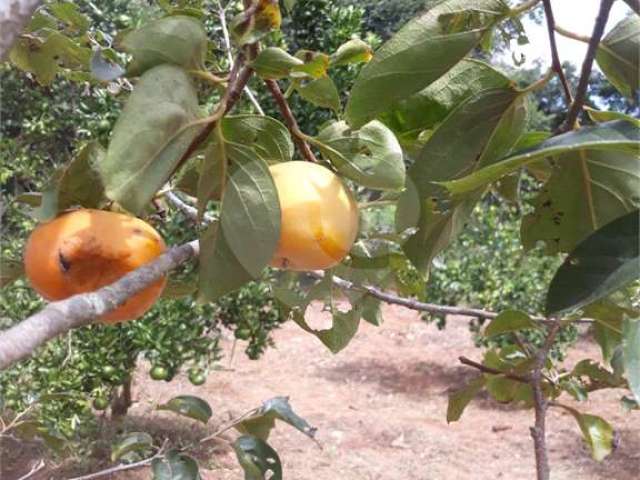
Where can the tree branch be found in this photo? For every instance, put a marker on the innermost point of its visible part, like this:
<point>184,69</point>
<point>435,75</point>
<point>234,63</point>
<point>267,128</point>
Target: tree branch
<point>227,44</point>
<point>493,371</point>
<point>56,318</point>
<point>587,65</point>
<point>124,466</point>
<point>290,120</point>
<point>555,58</point>
<point>14,16</point>
<point>538,431</point>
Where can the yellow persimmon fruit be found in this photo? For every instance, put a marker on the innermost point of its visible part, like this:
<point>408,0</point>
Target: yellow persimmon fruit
<point>83,250</point>
<point>319,221</point>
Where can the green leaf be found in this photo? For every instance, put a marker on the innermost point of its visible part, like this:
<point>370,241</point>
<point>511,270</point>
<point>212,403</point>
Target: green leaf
<point>602,263</point>
<point>631,346</point>
<point>154,131</point>
<point>597,433</point>
<point>421,52</point>
<point>289,4</point>
<point>255,23</point>
<point>425,109</point>
<point>70,14</point>
<point>189,406</point>
<point>477,133</point>
<point>600,116</point>
<point>131,442</point>
<point>76,184</point>
<point>177,40</point>
<point>509,321</point>
<point>10,270</point>
<point>315,64</point>
<point>267,136</point>
<point>607,328</point>
<point>258,460</point>
<point>617,136</point>
<point>274,63</point>
<point>175,466</point>
<point>344,325</point>
<point>352,52</point>
<point>585,191</point>
<point>618,55</point>
<point>237,249</point>
<point>44,56</point>
<point>371,156</point>
<point>459,399</point>
<point>322,92</point>
<point>261,423</point>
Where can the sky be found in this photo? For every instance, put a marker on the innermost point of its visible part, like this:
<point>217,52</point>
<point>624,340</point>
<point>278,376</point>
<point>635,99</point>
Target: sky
<point>575,15</point>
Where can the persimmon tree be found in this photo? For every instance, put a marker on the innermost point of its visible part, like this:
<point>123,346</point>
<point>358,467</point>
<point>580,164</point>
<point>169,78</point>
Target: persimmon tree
<point>426,128</point>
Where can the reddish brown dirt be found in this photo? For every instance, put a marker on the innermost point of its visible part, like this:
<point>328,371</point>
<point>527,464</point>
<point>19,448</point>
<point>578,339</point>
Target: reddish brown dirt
<point>380,409</point>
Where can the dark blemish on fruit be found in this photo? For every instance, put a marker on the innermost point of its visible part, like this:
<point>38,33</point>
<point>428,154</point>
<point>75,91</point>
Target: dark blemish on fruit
<point>65,265</point>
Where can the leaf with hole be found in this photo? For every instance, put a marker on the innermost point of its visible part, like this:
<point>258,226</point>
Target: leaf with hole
<point>478,132</point>
<point>46,54</point>
<point>260,423</point>
<point>370,156</point>
<point>618,55</point>
<point>131,442</point>
<point>156,127</point>
<point>615,136</point>
<point>421,52</point>
<point>602,263</point>
<point>344,324</point>
<point>258,460</point>
<point>175,466</point>
<point>178,40</point>
<point>189,406</point>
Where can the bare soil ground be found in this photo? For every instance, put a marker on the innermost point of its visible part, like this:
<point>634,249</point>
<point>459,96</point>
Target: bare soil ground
<point>380,409</point>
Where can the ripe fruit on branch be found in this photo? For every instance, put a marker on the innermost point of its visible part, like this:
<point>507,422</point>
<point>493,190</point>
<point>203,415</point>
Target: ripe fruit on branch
<point>83,250</point>
<point>319,217</point>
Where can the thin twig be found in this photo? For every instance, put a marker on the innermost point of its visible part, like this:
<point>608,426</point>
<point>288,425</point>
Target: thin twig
<point>35,469</point>
<point>227,45</point>
<point>569,34</point>
<point>290,120</point>
<point>587,65</point>
<point>538,431</point>
<point>523,7</point>
<point>230,424</point>
<point>124,466</point>
<point>413,304</point>
<point>493,371</point>
<point>555,58</point>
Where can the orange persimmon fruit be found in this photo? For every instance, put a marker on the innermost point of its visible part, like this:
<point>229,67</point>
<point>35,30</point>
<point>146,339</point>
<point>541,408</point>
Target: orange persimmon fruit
<point>83,250</point>
<point>319,217</point>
